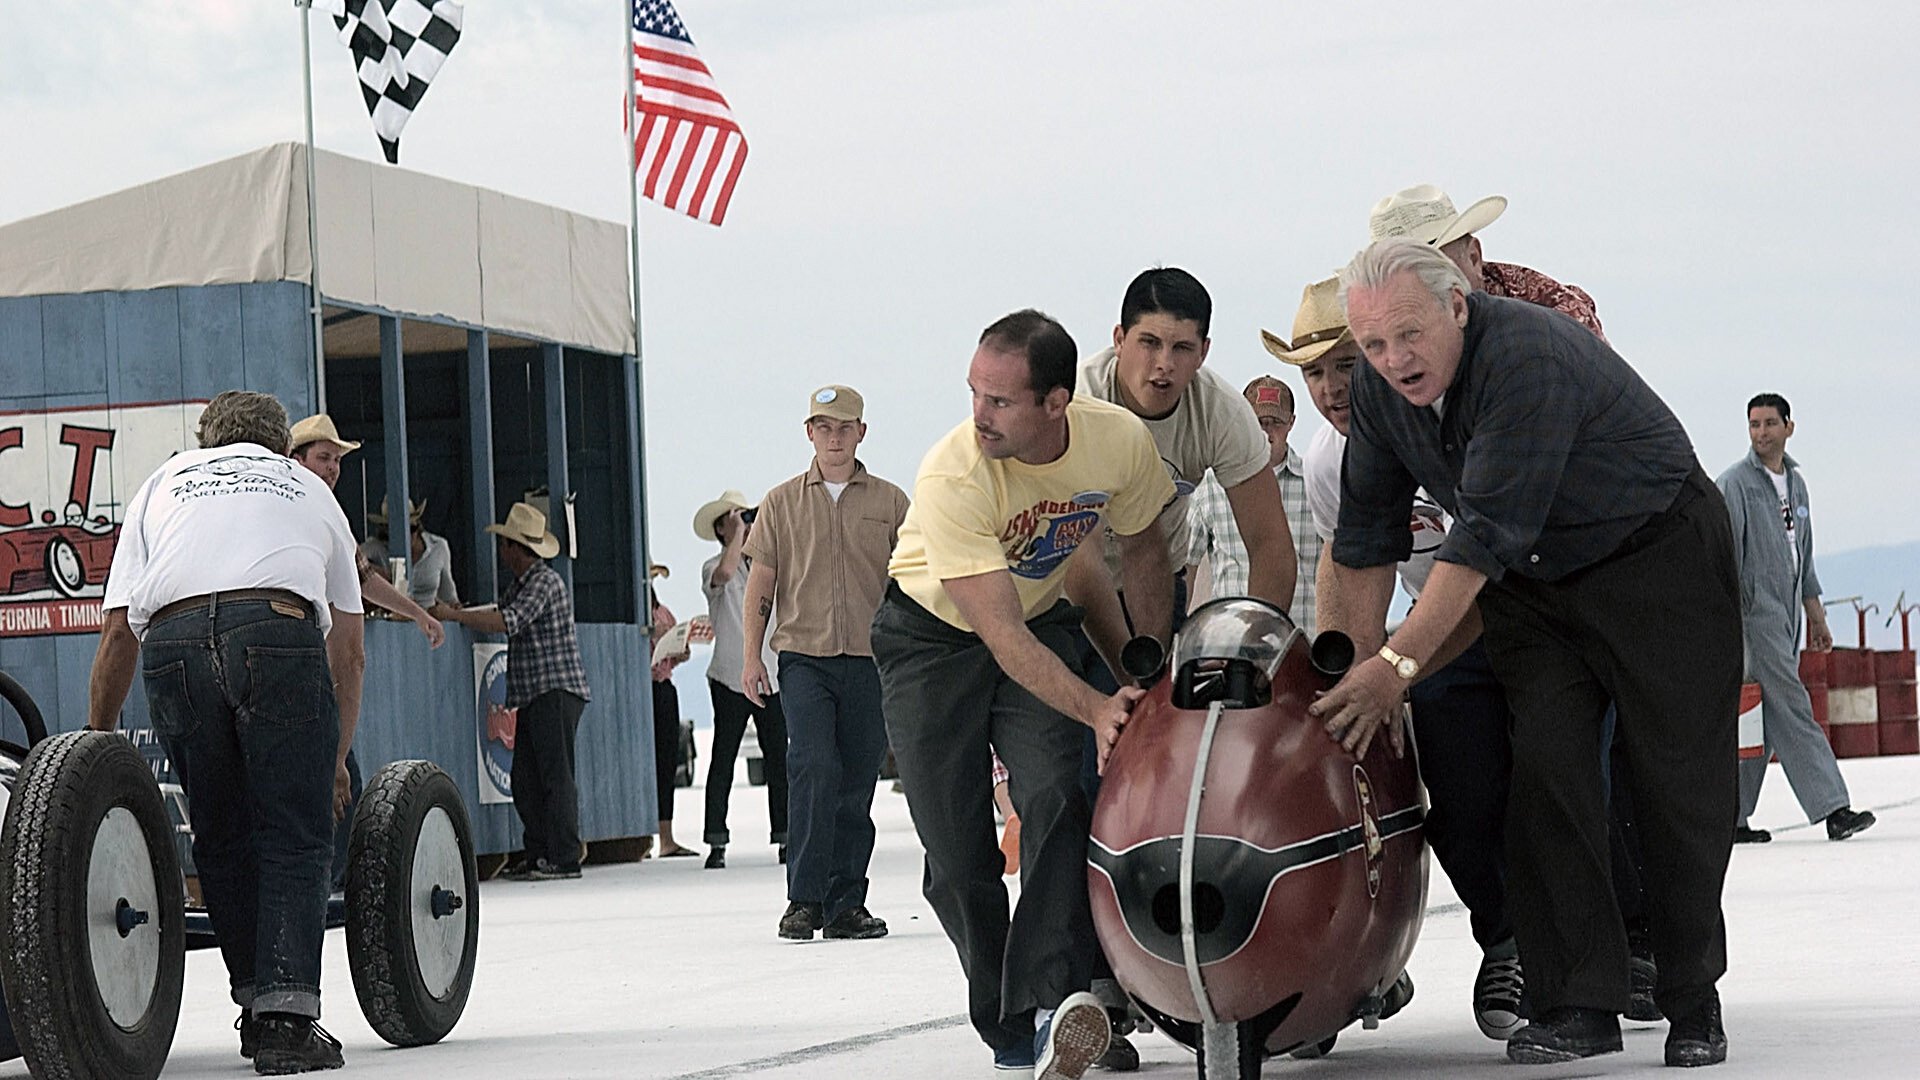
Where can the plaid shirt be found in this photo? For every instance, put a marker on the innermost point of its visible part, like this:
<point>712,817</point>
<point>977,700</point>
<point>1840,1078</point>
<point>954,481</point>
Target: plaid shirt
<point>1216,537</point>
<point>1522,283</point>
<point>1550,452</point>
<point>543,651</point>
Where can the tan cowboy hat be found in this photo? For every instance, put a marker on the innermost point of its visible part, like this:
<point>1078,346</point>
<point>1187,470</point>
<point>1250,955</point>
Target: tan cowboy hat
<point>316,428</point>
<point>1319,325</point>
<point>528,526</point>
<point>835,403</point>
<point>415,511</point>
<point>1427,215</point>
<point>712,511</point>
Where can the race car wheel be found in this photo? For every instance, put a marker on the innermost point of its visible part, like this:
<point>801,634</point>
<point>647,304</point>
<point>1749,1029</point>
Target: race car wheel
<point>92,908</point>
<point>64,568</point>
<point>413,911</point>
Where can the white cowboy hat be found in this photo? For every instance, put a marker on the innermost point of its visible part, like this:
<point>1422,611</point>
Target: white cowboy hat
<point>1426,214</point>
<point>528,526</point>
<point>316,428</point>
<point>712,511</point>
<point>1319,325</point>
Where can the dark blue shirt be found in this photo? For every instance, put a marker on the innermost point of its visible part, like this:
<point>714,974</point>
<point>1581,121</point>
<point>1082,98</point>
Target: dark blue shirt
<point>1551,451</point>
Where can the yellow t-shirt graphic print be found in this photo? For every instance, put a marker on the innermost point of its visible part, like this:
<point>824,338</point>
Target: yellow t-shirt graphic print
<point>973,515</point>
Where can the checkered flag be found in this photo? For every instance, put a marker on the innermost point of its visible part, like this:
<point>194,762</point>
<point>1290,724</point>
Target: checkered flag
<point>398,47</point>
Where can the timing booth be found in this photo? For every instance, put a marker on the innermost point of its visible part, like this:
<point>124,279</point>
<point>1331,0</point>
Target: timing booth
<point>478,346</point>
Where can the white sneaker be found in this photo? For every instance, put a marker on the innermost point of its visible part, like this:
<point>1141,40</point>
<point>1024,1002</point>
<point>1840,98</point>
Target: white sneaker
<point>1073,1038</point>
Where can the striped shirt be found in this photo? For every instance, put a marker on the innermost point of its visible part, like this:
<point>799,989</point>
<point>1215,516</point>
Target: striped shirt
<point>1216,537</point>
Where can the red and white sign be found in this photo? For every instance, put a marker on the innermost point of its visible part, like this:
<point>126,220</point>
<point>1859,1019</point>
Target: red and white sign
<point>65,478</point>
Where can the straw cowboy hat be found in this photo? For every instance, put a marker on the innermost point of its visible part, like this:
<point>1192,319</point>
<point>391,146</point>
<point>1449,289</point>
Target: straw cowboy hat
<point>1426,214</point>
<point>528,526</point>
<point>415,511</point>
<point>713,510</point>
<point>1319,325</point>
<point>317,428</point>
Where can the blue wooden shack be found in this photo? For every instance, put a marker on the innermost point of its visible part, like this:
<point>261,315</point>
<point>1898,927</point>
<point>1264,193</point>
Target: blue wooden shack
<point>479,346</point>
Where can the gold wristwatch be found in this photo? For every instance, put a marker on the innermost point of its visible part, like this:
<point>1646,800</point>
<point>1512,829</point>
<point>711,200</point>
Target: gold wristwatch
<point>1404,666</point>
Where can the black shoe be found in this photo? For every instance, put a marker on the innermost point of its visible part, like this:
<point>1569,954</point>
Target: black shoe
<point>518,870</point>
<point>1642,975</point>
<point>1497,991</point>
<point>546,871</point>
<point>249,1030</point>
<point>1698,1038</point>
<point>1397,996</point>
<point>855,924</point>
<point>294,1044</point>
<point>717,857</point>
<point>1120,1055</point>
<point>783,854</point>
<point>800,921</point>
<point>1310,1051</point>
<point>1846,821</point>
<point>1744,835</point>
<point>1565,1034</point>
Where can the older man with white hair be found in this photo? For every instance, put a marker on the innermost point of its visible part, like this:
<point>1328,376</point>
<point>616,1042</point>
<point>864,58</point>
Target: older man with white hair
<point>1599,557</point>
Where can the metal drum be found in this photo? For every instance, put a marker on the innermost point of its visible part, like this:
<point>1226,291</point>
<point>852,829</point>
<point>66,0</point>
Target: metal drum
<point>1254,886</point>
<point>1899,726</point>
<point>1853,703</point>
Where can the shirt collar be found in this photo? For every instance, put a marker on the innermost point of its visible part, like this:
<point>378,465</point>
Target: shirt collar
<point>814,477</point>
<point>1753,459</point>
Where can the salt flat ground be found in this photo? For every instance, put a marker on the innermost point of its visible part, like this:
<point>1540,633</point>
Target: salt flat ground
<point>663,969</point>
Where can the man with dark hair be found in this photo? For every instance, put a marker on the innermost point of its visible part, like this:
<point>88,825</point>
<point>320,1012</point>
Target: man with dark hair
<point>547,683</point>
<point>819,549</point>
<point>1599,556</point>
<point>235,545</point>
<point>977,653</point>
<point>1773,539</point>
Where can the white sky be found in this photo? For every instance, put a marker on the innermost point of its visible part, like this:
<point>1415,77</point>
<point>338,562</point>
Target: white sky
<point>1731,181</point>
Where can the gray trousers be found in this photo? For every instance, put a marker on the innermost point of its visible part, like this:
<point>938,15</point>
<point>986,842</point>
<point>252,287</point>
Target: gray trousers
<point>1786,714</point>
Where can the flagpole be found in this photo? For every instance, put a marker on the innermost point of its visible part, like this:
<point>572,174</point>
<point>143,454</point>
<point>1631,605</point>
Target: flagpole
<point>313,202</point>
<point>632,132</point>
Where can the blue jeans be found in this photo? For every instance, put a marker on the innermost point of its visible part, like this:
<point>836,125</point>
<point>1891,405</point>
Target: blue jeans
<point>836,739</point>
<point>243,702</point>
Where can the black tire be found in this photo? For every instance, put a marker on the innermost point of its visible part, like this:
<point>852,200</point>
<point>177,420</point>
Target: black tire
<point>65,571</point>
<point>32,724</point>
<point>412,986</point>
<point>84,803</point>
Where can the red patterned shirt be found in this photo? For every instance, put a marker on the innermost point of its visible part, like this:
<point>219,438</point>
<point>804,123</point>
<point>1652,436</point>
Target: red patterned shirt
<point>1522,283</point>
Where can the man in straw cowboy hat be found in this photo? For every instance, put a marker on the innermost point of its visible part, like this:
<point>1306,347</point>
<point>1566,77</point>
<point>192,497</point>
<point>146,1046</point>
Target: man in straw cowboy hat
<point>1599,557</point>
<point>819,547</point>
<point>727,520</point>
<point>547,683</point>
<point>1460,713</point>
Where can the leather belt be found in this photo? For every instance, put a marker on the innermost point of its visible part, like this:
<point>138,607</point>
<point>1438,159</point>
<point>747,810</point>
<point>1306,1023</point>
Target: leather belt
<point>212,601</point>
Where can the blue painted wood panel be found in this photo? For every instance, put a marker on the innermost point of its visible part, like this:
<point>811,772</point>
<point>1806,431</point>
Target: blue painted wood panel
<point>23,367</point>
<point>211,359</point>
<point>276,336</point>
<point>74,337</point>
<point>144,328</point>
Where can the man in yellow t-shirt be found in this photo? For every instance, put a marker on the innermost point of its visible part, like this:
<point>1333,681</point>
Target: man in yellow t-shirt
<point>975,647</point>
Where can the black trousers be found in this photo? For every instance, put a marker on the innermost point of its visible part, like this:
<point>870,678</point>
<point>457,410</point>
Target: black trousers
<point>731,709</point>
<point>1654,628</point>
<point>666,743</point>
<point>1460,723</point>
<point>544,793</point>
<point>946,702</point>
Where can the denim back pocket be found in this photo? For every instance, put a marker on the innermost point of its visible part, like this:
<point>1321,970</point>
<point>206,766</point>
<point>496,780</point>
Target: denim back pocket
<point>288,686</point>
<point>169,700</point>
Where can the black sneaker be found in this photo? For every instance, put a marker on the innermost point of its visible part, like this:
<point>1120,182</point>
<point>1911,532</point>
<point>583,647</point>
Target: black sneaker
<point>1744,835</point>
<point>1396,996</point>
<point>717,857</point>
<point>1568,1033</point>
<point>546,871</point>
<point>800,921</point>
<point>249,1030</point>
<point>1642,975</point>
<point>294,1044</point>
<point>1846,821</point>
<point>1698,1038</point>
<point>854,924</point>
<point>783,854</point>
<point>1120,1055</point>
<point>1497,991</point>
<point>518,870</point>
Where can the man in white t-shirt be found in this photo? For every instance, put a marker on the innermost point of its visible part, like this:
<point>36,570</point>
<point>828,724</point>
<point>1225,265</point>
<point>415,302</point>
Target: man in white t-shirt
<point>1460,713</point>
<point>234,585</point>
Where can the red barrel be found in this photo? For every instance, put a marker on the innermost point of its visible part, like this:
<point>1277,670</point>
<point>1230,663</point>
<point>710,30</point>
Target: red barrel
<point>1753,736</point>
<point>1853,703</point>
<point>1813,673</point>
<point>1899,727</point>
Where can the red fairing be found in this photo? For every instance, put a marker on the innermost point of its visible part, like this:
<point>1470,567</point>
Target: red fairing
<point>1309,874</point>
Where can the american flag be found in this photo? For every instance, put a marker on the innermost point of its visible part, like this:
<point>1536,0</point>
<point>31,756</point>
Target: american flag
<point>686,144</point>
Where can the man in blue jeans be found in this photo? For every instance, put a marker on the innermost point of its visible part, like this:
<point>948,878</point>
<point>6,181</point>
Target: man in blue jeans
<point>235,589</point>
<point>819,550</point>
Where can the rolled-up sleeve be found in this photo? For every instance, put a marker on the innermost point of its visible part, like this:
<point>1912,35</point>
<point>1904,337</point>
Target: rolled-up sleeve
<point>529,604</point>
<point>1525,429</point>
<point>1376,488</point>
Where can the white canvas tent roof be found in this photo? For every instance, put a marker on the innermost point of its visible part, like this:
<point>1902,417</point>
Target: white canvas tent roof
<point>389,237</point>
